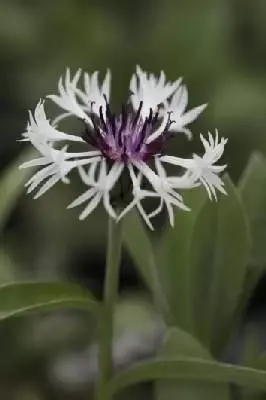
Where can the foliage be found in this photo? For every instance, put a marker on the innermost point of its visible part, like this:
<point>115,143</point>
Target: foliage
<point>204,265</point>
<point>197,273</point>
<point>203,272</point>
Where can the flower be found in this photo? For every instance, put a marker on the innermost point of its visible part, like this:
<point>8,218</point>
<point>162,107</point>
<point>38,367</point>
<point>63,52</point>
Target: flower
<point>123,160</point>
<point>99,189</point>
<point>40,127</point>
<point>202,168</point>
<point>177,106</point>
<point>150,90</point>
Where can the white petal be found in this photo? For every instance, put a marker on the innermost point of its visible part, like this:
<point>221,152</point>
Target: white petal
<point>67,97</point>
<point>157,210</point>
<point>103,170</point>
<point>50,183</point>
<point>147,172</point>
<point>40,129</point>
<point>94,94</point>
<point>84,154</point>
<point>34,163</point>
<point>160,169</point>
<point>136,202</point>
<point>114,174</point>
<point>91,206</point>
<point>151,91</point>
<point>170,212</point>
<point>135,181</point>
<point>205,142</point>
<point>39,176</point>
<point>180,99</point>
<point>181,162</point>
<point>107,205</point>
<point>144,216</point>
<point>159,131</point>
<point>106,85</point>
<point>86,161</point>
<point>85,176</point>
<point>128,208</point>
<point>177,105</point>
<point>60,118</point>
<point>185,181</point>
<point>82,198</point>
<point>193,114</point>
<point>177,203</point>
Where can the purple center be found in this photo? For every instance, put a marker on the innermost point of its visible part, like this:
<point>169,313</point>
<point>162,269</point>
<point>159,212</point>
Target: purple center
<point>123,137</point>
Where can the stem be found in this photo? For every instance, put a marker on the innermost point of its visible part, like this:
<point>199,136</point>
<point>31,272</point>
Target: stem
<point>113,258</point>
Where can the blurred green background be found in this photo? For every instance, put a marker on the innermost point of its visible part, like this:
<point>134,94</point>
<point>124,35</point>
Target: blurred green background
<point>218,46</point>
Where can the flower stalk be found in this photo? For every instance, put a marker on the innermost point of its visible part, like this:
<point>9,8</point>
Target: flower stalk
<point>106,323</point>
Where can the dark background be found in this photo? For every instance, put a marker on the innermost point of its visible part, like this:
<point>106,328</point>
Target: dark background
<point>218,46</point>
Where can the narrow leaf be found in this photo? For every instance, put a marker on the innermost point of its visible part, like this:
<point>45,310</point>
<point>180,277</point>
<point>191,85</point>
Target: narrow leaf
<point>179,343</point>
<point>173,259</point>
<point>21,298</point>
<point>252,187</point>
<point>191,369</point>
<point>139,245</point>
<point>219,259</point>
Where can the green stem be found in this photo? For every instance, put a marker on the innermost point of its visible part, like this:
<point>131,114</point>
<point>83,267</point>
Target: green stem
<point>106,328</point>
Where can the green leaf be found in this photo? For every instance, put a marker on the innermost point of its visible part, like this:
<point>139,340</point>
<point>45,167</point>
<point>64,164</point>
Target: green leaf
<point>173,259</point>
<point>219,256</point>
<point>180,343</point>
<point>12,182</point>
<point>252,347</point>
<point>190,369</point>
<point>252,358</point>
<point>261,362</point>
<point>252,187</point>
<point>21,298</point>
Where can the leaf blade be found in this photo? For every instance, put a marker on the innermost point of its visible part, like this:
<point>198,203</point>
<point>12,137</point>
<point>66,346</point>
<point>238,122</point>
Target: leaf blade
<point>173,258</point>
<point>180,343</point>
<point>252,187</point>
<point>22,298</point>
<point>220,251</point>
<point>189,368</point>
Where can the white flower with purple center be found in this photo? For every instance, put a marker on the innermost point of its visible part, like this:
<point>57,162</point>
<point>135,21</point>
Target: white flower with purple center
<point>123,156</point>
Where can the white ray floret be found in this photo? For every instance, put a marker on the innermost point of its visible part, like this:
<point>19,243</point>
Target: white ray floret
<point>138,195</point>
<point>202,168</point>
<point>132,141</point>
<point>40,127</point>
<point>99,188</point>
<point>150,90</point>
<point>161,128</point>
<point>95,95</point>
<point>56,166</point>
<point>67,98</point>
<point>181,118</point>
<point>165,189</point>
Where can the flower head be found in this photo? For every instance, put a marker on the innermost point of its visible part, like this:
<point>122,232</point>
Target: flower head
<point>125,137</point>
<point>123,158</point>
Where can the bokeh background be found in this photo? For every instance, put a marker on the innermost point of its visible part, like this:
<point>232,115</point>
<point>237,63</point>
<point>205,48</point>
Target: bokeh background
<point>218,46</point>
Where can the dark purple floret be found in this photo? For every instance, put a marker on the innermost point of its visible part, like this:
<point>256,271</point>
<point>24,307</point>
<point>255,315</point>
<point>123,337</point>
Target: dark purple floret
<point>123,137</point>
